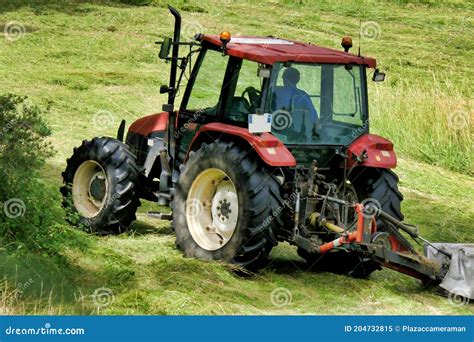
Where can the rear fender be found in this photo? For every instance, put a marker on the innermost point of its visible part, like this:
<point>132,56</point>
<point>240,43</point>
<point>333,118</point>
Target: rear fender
<point>272,151</point>
<point>379,152</point>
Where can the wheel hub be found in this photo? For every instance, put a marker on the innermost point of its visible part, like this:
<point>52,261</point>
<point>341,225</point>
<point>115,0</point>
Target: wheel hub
<point>224,209</point>
<point>214,225</point>
<point>224,214</point>
<point>97,187</point>
<point>89,189</point>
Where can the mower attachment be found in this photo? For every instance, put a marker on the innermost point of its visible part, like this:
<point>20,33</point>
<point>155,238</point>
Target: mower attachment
<point>450,265</point>
<point>459,279</point>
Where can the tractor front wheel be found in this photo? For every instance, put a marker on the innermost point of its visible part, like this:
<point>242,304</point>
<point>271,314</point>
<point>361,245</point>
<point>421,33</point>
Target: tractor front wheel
<point>226,206</point>
<point>99,183</point>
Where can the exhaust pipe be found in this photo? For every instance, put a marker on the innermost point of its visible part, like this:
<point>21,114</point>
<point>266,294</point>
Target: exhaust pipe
<point>174,56</point>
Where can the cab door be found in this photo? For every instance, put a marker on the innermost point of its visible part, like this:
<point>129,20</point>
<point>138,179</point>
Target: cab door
<point>203,98</point>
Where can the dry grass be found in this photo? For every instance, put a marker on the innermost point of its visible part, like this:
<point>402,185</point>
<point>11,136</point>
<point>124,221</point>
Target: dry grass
<point>431,125</point>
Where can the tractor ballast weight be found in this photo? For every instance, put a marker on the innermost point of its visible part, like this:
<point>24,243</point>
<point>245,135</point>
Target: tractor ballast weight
<point>261,163</point>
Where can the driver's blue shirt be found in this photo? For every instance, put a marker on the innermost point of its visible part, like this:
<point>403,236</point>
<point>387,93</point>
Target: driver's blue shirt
<point>291,98</point>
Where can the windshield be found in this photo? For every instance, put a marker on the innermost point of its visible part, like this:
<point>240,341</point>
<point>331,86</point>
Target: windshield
<point>321,104</point>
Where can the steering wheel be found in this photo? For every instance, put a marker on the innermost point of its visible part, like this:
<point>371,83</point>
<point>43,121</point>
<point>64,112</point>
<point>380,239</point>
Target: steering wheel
<point>253,98</point>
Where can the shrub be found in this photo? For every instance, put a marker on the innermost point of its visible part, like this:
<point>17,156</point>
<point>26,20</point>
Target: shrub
<point>28,212</point>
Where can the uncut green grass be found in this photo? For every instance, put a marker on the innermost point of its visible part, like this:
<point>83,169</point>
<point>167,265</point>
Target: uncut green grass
<point>90,57</point>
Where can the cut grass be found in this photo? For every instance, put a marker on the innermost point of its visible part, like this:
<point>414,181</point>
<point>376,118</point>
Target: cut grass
<point>148,275</point>
<point>91,57</point>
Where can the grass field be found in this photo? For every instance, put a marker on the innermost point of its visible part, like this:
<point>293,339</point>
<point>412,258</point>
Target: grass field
<point>93,63</point>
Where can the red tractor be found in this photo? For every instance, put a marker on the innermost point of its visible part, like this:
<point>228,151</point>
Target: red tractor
<point>270,143</point>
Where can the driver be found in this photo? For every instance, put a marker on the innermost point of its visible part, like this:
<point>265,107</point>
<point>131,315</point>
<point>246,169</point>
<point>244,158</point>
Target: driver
<point>292,99</point>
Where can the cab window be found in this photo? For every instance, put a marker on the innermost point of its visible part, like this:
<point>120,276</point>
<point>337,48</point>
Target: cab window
<point>208,83</point>
<point>245,91</point>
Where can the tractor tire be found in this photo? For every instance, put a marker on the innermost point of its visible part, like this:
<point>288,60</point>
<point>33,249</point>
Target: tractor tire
<point>99,181</point>
<point>380,188</point>
<point>226,206</point>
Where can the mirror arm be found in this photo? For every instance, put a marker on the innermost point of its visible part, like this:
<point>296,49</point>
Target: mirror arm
<point>180,43</point>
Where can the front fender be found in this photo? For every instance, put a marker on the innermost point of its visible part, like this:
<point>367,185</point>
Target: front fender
<point>379,150</point>
<point>150,124</point>
<point>272,151</point>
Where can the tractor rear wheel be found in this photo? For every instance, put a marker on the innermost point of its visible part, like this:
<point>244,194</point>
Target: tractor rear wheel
<point>379,187</point>
<point>226,206</point>
<point>99,183</point>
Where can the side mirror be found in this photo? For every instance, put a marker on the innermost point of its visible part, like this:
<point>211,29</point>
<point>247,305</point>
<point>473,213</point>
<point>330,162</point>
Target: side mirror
<point>165,48</point>
<point>378,76</point>
<point>164,89</point>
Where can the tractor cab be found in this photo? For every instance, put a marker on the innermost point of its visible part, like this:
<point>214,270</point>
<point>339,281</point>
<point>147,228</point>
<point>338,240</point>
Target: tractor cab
<point>301,96</point>
<point>316,97</point>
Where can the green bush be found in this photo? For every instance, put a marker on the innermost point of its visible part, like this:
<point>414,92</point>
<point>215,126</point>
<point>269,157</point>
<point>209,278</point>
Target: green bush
<point>29,210</point>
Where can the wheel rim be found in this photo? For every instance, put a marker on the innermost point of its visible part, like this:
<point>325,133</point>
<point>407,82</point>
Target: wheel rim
<point>89,189</point>
<point>212,209</point>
